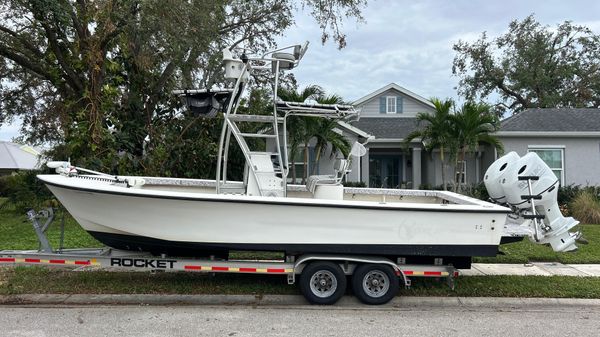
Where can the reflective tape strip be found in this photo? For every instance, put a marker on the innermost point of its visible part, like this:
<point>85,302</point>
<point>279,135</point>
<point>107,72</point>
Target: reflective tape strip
<point>425,273</point>
<point>45,261</point>
<point>240,269</point>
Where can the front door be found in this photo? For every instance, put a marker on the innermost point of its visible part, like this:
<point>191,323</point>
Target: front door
<point>385,171</point>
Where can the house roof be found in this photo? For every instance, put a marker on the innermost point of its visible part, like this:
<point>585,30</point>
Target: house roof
<point>18,157</point>
<point>553,120</point>
<point>353,129</point>
<point>387,128</point>
<point>395,87</point>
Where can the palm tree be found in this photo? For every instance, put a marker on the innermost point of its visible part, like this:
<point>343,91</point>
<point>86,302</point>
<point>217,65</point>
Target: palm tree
<point>436,133</point>
<point>471,126</point>
<point>299,128</point>
<point>325,134</point>
<point>303,129</point>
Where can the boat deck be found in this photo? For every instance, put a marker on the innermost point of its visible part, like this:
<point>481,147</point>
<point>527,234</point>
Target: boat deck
<point>206,186</point>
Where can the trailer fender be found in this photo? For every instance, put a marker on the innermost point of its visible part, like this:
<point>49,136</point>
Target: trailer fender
<point>348,264</point>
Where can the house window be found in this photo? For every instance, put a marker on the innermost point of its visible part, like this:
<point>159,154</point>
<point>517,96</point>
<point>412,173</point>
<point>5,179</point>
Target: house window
<point>554,157</point>
<point>391,105</point>
<point>461,171</point>
<point>298,163</point>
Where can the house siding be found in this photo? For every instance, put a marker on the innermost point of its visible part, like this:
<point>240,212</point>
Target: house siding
<point>432,173</point>
<point>581,155</point>
<point>410,106</point>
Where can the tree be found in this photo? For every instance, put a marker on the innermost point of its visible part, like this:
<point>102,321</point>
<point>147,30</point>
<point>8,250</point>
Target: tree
<point>325,133</point>
<point>532,66</point>
<point>434,131</point>
<point>303,129</point>
<point>299,127</point>
<point>471,126</point>
<point>95,76</point>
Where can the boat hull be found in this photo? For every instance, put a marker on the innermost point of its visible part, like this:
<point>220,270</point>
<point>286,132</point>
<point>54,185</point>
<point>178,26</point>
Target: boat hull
<point>190,225</point>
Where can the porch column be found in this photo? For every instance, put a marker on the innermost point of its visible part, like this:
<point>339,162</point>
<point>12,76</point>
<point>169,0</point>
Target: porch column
<point>416,167</point>
<point>364,168</point>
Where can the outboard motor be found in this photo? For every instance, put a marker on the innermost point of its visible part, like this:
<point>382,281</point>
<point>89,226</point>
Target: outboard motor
<point>493,176</point>
<point>530,187</point>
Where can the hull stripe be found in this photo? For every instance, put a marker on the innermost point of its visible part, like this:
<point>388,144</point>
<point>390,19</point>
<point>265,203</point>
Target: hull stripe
<point>195,249</point>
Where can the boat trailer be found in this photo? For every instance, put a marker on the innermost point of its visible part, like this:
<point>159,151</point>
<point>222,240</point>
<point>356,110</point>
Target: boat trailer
<point>322,277</point>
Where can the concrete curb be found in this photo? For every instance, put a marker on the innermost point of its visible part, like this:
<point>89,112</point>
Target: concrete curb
<point>288,300</point>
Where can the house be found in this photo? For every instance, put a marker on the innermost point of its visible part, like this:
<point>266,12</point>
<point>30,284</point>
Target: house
<point>388,115</point>
<point>568,140</point>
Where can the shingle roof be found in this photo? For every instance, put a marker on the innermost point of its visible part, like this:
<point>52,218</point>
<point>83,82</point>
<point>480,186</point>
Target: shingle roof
<point>560,119</point>
<point>382,127</point>
<point>17,157</point>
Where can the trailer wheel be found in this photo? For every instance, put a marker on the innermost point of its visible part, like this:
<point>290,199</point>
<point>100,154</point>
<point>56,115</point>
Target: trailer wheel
<point>323,283</point>
<point>375,283</point>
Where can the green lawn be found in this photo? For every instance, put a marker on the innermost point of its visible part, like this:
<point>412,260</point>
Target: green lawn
<point>16,232</point>
<point>527,251</point>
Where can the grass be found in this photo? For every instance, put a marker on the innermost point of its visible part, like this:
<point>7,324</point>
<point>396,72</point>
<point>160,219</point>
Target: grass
<point>16,232</point>
<point>527,251</point>
<point>586,207</point>
<point>38,280</point>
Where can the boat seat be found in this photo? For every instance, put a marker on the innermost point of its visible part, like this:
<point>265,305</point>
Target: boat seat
<point>340,169</point>
<point>286,61</point>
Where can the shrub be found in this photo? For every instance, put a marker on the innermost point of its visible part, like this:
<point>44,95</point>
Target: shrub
<point>354,184</point>
<point>24,190</point>
<point>566,194</point>
<point>4,186</point>
<point>477,191</point>
<point>586,207</point>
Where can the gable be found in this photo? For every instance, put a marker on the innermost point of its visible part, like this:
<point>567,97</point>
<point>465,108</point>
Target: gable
<point>407,105</point>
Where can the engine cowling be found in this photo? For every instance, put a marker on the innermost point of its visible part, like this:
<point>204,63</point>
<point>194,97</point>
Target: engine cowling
<point>493,176</point>
<point>504,186</point>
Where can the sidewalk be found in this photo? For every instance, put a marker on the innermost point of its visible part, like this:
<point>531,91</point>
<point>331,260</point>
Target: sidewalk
<point>532,269</point>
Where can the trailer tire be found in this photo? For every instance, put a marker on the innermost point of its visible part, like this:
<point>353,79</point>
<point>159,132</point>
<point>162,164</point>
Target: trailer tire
<point>375,283</point>
<point>322,282</point>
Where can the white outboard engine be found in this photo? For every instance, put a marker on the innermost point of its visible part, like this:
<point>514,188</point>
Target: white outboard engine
<point>493,176</point>
<point>530,187</point>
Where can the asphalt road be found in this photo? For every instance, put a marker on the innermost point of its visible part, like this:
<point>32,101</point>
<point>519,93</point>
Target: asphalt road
<point>297,321</point>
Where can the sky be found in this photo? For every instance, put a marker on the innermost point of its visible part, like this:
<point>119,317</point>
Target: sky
<point>409,43</point>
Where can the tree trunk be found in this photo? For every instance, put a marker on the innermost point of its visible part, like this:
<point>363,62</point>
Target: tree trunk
<point>443,168</point>
<point>460,170</point>
<point>317,158</point>
<point>305,173</point>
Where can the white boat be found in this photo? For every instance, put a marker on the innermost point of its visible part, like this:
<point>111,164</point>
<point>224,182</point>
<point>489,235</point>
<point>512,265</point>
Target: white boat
<point>183,218</point>
<point>188,217</point>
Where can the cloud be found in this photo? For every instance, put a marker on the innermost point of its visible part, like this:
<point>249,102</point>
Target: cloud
<point>410,43</point>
